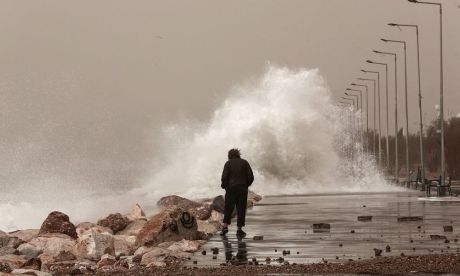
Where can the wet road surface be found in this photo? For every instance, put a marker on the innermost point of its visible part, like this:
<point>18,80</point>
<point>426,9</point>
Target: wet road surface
<point>286,223</point>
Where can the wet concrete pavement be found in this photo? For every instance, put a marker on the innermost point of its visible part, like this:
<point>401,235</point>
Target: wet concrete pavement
<point>286,223</point>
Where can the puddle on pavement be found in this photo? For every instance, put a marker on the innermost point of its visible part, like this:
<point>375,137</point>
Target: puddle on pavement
<point>286,223</point>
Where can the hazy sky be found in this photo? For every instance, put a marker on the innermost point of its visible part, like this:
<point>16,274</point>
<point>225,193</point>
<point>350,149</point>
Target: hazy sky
<point>83,83</point>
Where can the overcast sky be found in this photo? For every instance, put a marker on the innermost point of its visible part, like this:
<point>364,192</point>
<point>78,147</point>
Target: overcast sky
<point>88,82</point>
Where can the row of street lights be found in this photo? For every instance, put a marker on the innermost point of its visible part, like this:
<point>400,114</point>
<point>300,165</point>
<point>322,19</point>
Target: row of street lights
<point>376,91</point>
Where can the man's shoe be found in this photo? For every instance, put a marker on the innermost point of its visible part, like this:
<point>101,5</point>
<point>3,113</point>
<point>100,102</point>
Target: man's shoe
<point>224,231</point>
<point>240,233</point>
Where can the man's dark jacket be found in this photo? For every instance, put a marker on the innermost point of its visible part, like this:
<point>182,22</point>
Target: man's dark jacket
<point>237,172</point>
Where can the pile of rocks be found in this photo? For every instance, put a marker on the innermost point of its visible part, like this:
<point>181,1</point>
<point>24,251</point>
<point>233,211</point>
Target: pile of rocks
<point>117,242</point>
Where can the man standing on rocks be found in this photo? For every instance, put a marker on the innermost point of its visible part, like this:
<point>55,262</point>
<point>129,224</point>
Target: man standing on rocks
<point>236,178</point>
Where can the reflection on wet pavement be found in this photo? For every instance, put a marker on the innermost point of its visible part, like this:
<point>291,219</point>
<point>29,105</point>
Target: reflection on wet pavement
<point>241,256</point>
<point>286,224</point>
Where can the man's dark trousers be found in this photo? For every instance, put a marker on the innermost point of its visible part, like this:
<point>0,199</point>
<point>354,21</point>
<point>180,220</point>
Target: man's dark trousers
<point>238,196</point>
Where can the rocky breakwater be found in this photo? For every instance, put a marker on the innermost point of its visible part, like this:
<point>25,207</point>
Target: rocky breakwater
<point>115,243</point>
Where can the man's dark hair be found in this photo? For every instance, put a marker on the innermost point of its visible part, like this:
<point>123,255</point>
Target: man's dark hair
<point>234,153</point>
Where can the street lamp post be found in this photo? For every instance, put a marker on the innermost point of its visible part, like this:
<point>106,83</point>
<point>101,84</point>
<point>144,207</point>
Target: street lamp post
<point>407,105</point>
<point>367,102</point>
<point>351,122</point>
<point>367,88</point>
<point>396,113</point>
<point>361,115</point>
<point>441,90</point>
<point>387,114</point>
<point>367,118</point>
<point>367,106</point>
<point>354,124</point>
<point>422,161</point>
<point>375,128</point>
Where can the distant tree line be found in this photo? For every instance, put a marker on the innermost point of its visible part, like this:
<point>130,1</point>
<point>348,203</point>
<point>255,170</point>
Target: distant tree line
<point>431,147</point>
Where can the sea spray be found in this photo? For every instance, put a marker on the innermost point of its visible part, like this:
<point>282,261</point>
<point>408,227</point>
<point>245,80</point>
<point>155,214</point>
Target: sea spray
<point>286,125</point>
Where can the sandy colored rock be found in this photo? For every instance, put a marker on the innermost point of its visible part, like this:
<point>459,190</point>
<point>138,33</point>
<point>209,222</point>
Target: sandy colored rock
<point>142,250</point>
<point>253,196</point>
<point>13,261</point>
<point>124,245</point>
<point>106,260</point>
<point>165,245</point>
<point>47,259</point>
<point>197,209</point>
<point>202,212</point>
<point>87,229</point>
<point>8,241</point>
<point>25,235</point>
<point>216,216</point>
<point>93,244</point>
<point>208,227</point>
<point>133,228</point>
<point>154,255</point>
<point>6,250</point>
<point>168,225</point>
<point>186,246</point>
<point>53,245</point>
<point>137,213</point>
<point>58,222</point>
<point>177,201</point>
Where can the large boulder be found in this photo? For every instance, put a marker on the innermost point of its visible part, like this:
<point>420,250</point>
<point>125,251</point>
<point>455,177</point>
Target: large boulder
<point>47,259</point>
<point>202,212</point>
<point>124,245</point>
<point>53,244</point>
<point>12,261</point>
<point>34,263</point>
<point>8,241</point>
<point>87,227</point>
<point>133,228</point>
<point>218,204</point>
<point>168,225</point>
<point>6,250</point>
<point>25,235</point>
<point>58,222</point>
<point>29,250</point>
<point>93,243</point>
<point>116,222</point>
<point>199,210</point>
<point>177,201</point>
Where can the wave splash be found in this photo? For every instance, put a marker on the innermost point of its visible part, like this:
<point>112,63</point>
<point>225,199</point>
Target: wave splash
<point>285,124</point>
